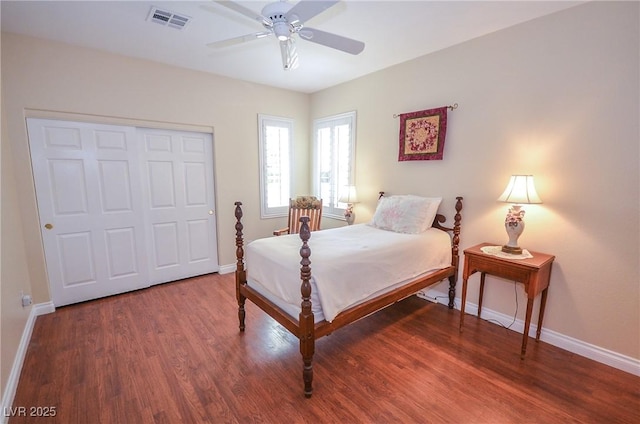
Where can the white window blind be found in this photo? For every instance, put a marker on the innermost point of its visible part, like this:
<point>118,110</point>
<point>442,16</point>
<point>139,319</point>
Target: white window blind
<point>334,160</point>
<point>275,145</point>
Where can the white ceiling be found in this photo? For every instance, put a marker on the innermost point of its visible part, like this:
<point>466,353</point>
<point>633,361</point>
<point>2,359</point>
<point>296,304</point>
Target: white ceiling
<point>393,32</point>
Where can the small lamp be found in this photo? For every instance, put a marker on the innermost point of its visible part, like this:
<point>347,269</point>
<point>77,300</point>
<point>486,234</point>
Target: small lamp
<point>349,196</point>
<point>520,190</point>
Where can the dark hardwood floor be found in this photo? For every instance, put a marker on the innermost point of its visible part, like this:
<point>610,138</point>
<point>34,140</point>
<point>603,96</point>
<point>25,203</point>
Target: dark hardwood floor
<point>173,354</point>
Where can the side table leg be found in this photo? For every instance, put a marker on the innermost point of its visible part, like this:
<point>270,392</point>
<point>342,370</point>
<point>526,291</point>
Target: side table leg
<point>482,275</point>
<point>464,301</point>
<point>527,324</point>
<point>543,303</point>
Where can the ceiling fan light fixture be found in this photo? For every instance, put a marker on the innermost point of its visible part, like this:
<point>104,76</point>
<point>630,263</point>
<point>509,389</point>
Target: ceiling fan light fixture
<point>281,30</point>
<point>289,54</point>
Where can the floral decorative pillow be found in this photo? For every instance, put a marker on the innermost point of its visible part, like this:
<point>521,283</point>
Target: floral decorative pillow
<point>307,202</point>
<point>406,214</point>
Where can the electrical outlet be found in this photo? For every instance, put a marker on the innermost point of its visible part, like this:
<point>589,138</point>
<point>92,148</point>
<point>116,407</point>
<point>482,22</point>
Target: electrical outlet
<point>26,299</point>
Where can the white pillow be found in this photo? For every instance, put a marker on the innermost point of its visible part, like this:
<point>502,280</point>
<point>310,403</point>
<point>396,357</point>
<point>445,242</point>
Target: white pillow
<point>406,214</point>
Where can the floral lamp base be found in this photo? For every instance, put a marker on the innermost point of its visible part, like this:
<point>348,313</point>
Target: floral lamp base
<point>349,216</point>
<point>514,225</point>
<point>513,231</point>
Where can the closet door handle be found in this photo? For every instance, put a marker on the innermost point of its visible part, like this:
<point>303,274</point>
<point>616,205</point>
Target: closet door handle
<point>48,226</point>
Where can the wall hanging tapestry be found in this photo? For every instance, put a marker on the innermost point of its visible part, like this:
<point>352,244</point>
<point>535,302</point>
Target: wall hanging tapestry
<point>422,134</point>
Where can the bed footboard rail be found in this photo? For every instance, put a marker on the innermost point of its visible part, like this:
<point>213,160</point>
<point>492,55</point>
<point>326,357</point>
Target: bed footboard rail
<point>305,327</point>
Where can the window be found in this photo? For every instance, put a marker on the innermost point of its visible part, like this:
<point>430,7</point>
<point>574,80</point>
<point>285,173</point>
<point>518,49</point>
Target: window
<point>334,160</point>
<point>275,140</point>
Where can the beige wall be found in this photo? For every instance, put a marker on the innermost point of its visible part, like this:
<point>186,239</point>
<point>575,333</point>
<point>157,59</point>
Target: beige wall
<point>556,97</point>
<point>41,78</point>
<point>14,273</point>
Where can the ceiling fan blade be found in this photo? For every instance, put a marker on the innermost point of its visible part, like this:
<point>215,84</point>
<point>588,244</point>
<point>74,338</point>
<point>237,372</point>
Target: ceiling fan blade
<point>243,11</point>
<point>238,40</point>
<point>289,54</point>
<point>305,10</point>
<point>334,41</point>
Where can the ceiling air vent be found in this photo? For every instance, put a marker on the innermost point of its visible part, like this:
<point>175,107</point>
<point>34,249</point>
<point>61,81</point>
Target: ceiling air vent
<point>166,18</point>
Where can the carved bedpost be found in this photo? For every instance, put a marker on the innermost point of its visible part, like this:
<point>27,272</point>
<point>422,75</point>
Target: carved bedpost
<point>455,256</point>
<point>306,319</point>
<point>241,276</point>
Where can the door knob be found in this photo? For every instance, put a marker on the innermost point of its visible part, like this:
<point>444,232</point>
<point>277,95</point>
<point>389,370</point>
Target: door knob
<point>210,211</point>
<point>48,226</point>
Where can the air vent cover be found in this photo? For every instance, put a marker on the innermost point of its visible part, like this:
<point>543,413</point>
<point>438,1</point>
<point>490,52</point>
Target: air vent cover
<point>167,18</point>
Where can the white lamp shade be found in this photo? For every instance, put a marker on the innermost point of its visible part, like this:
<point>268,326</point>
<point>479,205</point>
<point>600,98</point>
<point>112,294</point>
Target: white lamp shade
<point>520,190</point>
<point>349,195</point>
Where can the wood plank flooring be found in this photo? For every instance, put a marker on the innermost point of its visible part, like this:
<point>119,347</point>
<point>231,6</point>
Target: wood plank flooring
<point>173,354</point>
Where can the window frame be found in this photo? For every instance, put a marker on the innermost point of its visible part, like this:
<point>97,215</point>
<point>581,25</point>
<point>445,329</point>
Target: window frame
<point>331,207</point>
<point>281,122</point>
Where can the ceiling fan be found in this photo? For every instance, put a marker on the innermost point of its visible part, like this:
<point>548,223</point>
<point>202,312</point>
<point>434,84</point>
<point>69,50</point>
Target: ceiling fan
<point>284,20</point>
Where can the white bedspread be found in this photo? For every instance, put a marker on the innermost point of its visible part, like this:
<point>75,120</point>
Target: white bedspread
<point>348,264</point>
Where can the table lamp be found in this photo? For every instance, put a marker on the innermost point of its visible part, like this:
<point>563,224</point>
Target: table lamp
<point>519,191</point>
<point>349,196</point>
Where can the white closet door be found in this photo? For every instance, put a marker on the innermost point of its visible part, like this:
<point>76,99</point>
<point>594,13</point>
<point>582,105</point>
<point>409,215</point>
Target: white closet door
<point>90,205</point>
<point>121,208</point>
<point>177,176</point>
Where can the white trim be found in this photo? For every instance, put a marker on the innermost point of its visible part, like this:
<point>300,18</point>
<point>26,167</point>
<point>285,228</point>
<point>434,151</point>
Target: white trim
<point>115,120</point>
<point>329,208</point>
<point>227,269</point>
<point>588,350</point>
<point>14,375</point>
<point>279,122</point>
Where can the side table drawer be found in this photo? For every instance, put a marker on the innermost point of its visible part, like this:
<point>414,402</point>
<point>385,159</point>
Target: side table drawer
<point>499,269</point>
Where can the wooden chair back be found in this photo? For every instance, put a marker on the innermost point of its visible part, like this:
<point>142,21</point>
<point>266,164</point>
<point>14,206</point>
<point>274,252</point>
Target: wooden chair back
<point>309,206</point>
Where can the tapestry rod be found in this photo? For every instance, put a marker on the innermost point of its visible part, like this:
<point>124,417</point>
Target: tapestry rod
<point>450,107</point>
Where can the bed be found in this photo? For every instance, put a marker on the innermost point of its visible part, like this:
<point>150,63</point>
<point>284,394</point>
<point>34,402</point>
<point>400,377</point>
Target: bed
<point>358,269</point>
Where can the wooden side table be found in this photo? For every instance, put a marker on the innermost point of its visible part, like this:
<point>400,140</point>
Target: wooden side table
<point>534,273</point>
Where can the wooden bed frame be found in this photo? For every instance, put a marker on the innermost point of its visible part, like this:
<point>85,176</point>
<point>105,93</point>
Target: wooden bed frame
<point>305,328</point>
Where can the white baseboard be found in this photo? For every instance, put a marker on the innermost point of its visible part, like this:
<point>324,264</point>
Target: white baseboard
<point>226,269</point>
<point>14,375</point>
<point>599,354</point>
